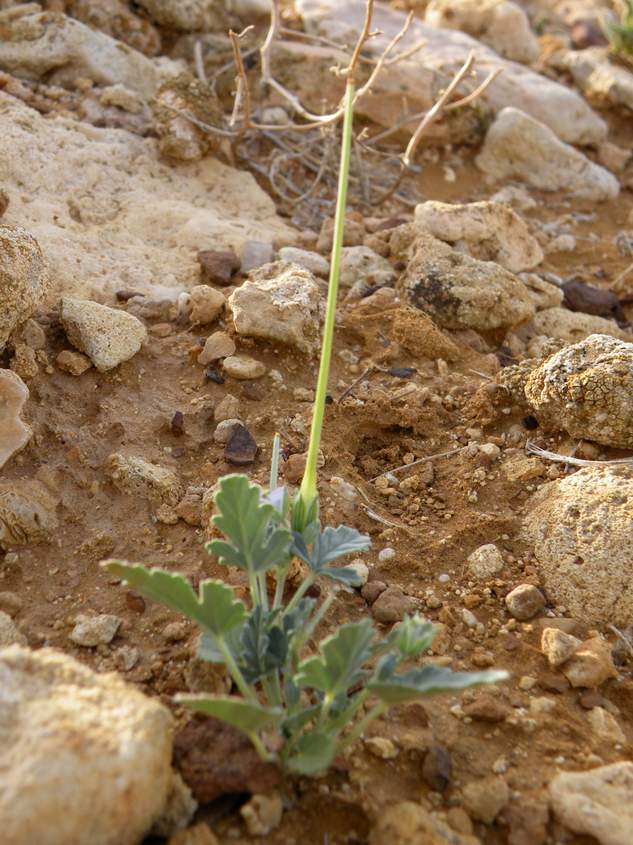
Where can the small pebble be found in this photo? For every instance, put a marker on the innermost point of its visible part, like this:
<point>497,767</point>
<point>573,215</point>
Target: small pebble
<point>386,554</point>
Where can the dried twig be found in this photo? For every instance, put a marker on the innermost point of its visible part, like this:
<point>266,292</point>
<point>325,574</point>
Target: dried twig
<point>422,461</point>
<point>199,61</point>
<point>533,449</point>
<point>622,636</point>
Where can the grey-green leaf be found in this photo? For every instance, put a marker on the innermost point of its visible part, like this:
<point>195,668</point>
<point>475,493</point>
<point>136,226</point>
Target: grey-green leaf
<point>333,543</point>
<point>339,664</point>
<point>313,753</point>
<point>428,680</point>
<point>249,717</point>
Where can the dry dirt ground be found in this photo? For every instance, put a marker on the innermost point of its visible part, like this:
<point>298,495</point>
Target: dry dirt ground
<point>433,526</point>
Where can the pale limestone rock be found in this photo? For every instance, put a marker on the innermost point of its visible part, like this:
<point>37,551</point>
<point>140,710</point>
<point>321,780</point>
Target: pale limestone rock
<point>262,814</point>
<point>487,230</point>
<point>106,335</point>
<point>90,631</point>
<point>571,326</point>
<point>591,664</point>
<point>485,798</point>
<point>485,562</point>
<point>243,367</point>
<point>218,345</point>
<point>206,303</point>
<point>141,479</point>
<point>362,264</point>
<point>14,433</point>
<point>311,261</point>
<point>9,632</point>
<point>596,803</point>
<point>24,280</point>
<point>85,757</point>
<point>27,513</point>
<point>73,362</point>
<point>519,147</point>
<point>408,823</point>
<point>579,527</point>
<point>187,15</point>
<point>543,294</point>
<point>525,601</point>
<point>558,646</point>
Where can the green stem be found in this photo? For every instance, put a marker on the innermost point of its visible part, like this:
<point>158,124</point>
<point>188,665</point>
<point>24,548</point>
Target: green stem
<point>308,490</point>
<point>274,463</point>
<point>261,749</point>
<point>302,590</point>
<point>358,730</point>
<point>279,588</point>
<point>234,671</point>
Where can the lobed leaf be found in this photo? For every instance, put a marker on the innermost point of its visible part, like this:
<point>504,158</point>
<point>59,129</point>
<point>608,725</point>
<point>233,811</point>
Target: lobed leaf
<point>247,716</point>
<point>339,664</point>
<point>396,689</point>
<point>313,753</point>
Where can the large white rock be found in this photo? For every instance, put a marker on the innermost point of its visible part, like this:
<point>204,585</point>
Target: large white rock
<point>23,278</point>
<point>602,81</point>
<point>61,49</point>
<point>597,803</point>
<point>519,147</point>
<point>187,15</point>
<point>572,326</point>
<point>279,302</point>
<point>580,529</point>
<point>14,433</point>
<point>108,214</point>
<point>412,85</point>
<point>85,758</point>
<point>106,335</point>
<point>490,231</point>
<point>501,24</point>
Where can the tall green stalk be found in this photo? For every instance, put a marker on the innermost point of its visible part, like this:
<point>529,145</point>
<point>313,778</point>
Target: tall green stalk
<point>306,506</point>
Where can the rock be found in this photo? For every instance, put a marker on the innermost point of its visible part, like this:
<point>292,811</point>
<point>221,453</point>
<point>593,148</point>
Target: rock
<point>371,590</point>
<point>189,508</point>
<point>488,231</point>
<point>180,139</point>
<point>23,278</point>
<point>107,336</point>
<point>187,15</point>
<point>362,264</point>
<point>543,294</point>
<point>525,601</point>
<point>218,266</point>
<point>484,799</point>
<point>504,26</point>
<point>279,302</point>
<point>60,50</point>
<point>360,569</point>
<point>24,362</point>
<point>206,304</point>
<point>14,433</point>
<point>10,603</point>
<point>591,664</point>
<point>579,528</point>
<point>224,430</point>
<point>311,261</point>
<point>255,254</point>
<point>141,479</point>
<point>199,834</point>
<point>85,757</point>
<point>485,708</point>
<point>27,513</point>
<point>241,448</point>
<point>597,803</point>
<point>178,810</point>
<point>459,292</point>
<point>603,82</point>
<point>243,367</point>
<point>580,296</point>
<point>432,66</point>
<point>485,562</point>
<point>227,408</point>
<point>262,814</point>
<point>73,362</point>
<point>571,326</point>
<point>353,232</point>
<point>392,605</point>
<point>586,390</point>
<point>437,769</point>
<point>90,631</point>
<point>558,646</point>
<point>605,726</point>
<point>9,632</point>
<point>519,469</point>
<point>381,747</point>
<point>215,759</point>
<point>407,823</point>
<point>418,334</point>
<point>217,346</point>
<point>130,224</point>
<point>519,147</point>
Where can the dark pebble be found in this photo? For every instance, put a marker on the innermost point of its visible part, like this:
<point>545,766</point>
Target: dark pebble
<point>124,295</point>
<point>437,768</point>
<point>579,296</point>
<point>135,601</point>
<point>551,682</point>
<point>402,372</point>
<point>218,266</point>
<point>371,590</point>
<point>252,391</point>
<point>241,448</point>
<point>177,423</point>
<point>214,375</point>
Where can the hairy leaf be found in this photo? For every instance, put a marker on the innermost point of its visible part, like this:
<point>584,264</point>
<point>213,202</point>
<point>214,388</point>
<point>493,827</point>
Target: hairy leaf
<point>247,716</point>
<point>411,637</point>
<point>327,546</point>
<point>215,609</point>
<point>264,645</point>
<point>313,753</point>
<point>255,540</point>
<point>396,689</point>
<point>338,665</point>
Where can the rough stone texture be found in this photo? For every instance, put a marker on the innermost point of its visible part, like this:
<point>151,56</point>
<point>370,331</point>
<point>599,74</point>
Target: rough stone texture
<point>199,834</point>
<point>243,367</point>
<point>597,803</point>
<point>543,294</point>
<point>187,15</point>
<point>90,631</point>
<point>73,362</point>
<point>484,799</point>
<point>106,335</point>
<point>9,632</point>
<point>572,326</point>
<point>85,758</point>
<point>485,562</point>
<point>591,665</point>
<point>587,390</point>
<point>14,433</point>
<point>262,814</point>
<point>580,528</point>
<point>519,147</point>
<point>459,292</point>
<point>311,261</point>
<point>407,823</point>
<point>179,138</point>
<point>23,278</point>
<point>428,71</point>
<point>392,605</point>
<point>417,333</point>
<point>501,24</point>
<point>27,513</point>
<point>218,345</point>
<point>525,601</point>
<point>603,82</point>
<point>362,264</point>
<point>279,302</point>
<point>558,646</point>
<point>489,231</point>
<point>128,227</point>
<point>206,304</point>
<point>158,485</point>
<point>61,49</point>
